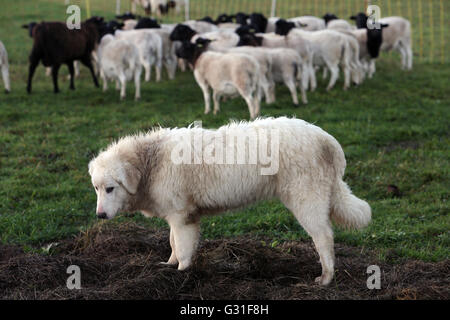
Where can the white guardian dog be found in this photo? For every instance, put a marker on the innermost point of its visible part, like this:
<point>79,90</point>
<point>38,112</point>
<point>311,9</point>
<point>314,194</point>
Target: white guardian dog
<point>182,174</point>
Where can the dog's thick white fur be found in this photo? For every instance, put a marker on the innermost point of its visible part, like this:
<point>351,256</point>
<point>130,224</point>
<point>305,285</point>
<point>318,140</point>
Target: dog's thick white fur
<point>137,173</point>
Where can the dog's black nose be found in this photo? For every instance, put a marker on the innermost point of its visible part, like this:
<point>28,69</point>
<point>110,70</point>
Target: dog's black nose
<point>102,215</point>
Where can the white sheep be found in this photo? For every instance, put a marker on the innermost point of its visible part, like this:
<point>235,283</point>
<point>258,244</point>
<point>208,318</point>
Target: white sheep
<point>169,58</point>
<point>227,74</point>
<point>301,46</point>
<point>308,23</point>
<point>4,66</point>
<point>340,24</point>
<point>119,60</point>
<point>397,36</point>
<point>264,59</point>
<point>286,67</point>
<point>331,49</point>
<point>149,45</point>
<point>201,26</point>
<point>221,39</point>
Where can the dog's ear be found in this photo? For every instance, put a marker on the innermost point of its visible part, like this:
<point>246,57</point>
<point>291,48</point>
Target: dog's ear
<point>128,177</point>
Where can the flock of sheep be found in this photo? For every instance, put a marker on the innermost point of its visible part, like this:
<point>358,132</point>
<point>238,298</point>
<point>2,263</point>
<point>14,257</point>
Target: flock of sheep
<point>241,54</point>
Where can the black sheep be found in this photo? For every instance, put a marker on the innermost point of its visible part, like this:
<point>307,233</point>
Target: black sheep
<point>54,44</point>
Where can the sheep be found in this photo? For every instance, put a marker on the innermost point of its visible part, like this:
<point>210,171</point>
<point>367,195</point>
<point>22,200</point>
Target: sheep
<point>48,70</point>
<point>339,24</point>
<point>200,26</point>
<point>119,60</point>
<point>397,36</point>
<point>169,58</point>
<point>226,73</point>
<point>55,44</point>
<point>223,39</point>
<point>308,23</point>
<point>285,67</point>
<point>333,22</point>
<point>4,66</point>
<point>330,47</point>
<point>370,41</point>
<point>149,45</point>
<point>265,67</point>
<point>301,46</point>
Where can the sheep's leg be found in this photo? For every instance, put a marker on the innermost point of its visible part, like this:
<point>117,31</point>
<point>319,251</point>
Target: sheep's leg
<point>88,63</point>
<point>372,68</point>
<point>206,96</point>
<point>409,57</point>
<point>312,77</point>
<point>148,70</point>
<point>324,73</point>
<point>55,69</point>
<point>123,85</point>
<point>334,69</point>
<point>70,65</point>
<point>290,83</point>
<point>171,68</point>
<point>33,64</point>
<point>158,68</point>
<point>5,76</point>
<point>137,82</point>
<point>216,98</point>
<point>256,106</point>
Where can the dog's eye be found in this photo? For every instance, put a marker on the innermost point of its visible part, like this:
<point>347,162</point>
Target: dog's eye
<point>109,190</point>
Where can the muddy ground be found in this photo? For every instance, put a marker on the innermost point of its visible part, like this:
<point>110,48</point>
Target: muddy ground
<point>122,263</point>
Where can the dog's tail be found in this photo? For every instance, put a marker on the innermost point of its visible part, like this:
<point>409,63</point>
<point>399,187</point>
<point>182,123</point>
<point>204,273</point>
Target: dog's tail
<point>348,210</point>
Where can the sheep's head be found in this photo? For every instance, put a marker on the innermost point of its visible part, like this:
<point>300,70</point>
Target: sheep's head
<point>328,17</point>
<point>241,18</point>
<point>259,21</point>
<point>30,28</point>
<point>224,18</point>
<point>182,32</point>
<point>250,40</point>
<point>126,16</point>
<point>360,20</point>
<point>191,51</point>
<point>282,27</point>
<point>145,23</point>
<point>207,19</point>
<point>375,39</point>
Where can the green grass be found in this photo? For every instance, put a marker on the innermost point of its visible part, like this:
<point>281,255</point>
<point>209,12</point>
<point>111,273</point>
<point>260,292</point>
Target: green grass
<point>393,128</point>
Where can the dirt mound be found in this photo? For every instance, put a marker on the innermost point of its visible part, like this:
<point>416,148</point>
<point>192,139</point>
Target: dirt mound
<point>123,263</point>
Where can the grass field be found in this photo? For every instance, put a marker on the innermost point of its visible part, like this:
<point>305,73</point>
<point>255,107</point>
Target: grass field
<point>394,130</point>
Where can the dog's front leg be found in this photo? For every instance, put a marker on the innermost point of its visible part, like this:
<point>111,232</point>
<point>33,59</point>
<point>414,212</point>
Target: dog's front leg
<point>185,236</point>
<point>173,257</point>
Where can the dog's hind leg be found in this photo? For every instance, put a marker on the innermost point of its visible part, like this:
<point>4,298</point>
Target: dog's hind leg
<point>313,214</point>
<point>185,240</point>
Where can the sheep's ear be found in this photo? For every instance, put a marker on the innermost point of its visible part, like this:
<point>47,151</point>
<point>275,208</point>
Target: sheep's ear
<point>128,177</point>
<point>25,26</point>
<point>353,17</point>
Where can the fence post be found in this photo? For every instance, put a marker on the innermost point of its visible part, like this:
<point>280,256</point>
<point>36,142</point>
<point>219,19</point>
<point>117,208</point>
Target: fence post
<point>117,7</point>
<point>88,8</point>
<point>273,8</point>
<point>186,10</point>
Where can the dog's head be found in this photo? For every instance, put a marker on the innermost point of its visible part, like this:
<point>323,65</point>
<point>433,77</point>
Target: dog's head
<point>115,182</point>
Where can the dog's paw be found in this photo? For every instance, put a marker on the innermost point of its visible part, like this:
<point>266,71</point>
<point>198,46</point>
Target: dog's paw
<point>323,280</point>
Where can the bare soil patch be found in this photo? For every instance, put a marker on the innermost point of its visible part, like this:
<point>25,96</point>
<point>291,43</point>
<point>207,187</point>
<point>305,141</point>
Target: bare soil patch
<point>123,263</point>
